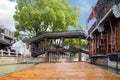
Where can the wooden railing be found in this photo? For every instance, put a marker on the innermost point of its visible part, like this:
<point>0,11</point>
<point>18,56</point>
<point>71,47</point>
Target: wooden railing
<point>53,48</point>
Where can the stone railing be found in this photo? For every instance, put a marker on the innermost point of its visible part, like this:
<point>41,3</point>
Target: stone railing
<point>8,53</point>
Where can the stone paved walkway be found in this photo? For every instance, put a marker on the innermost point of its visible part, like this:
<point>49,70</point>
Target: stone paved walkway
<point>62,71</point>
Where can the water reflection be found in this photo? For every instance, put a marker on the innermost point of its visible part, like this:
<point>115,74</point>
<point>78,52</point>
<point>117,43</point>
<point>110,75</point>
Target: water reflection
<point>117,71</point>
<point>6,69</point>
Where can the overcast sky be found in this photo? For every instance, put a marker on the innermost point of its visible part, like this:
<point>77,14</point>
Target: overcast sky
<point>7,9</point>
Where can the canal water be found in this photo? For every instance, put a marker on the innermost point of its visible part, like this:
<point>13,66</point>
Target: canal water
<point>116,71</point>
<point>6,69</point>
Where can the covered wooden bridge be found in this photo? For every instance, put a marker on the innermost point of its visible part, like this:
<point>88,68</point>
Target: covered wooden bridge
<point>50,42</point>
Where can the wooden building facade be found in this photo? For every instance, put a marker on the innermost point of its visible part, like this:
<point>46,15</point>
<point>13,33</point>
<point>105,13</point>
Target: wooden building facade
<point>104,35</point>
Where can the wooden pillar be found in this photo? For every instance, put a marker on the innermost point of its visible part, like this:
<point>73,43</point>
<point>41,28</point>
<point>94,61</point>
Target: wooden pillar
<point>111,36</point>
<point>62,42</point>
<point>80,43</point>
<point>46,45</point>
<point>107,41</point>
<point>115,38</point>
<point>79,56</point>
<point>49,43</point>
<point>95,44</point>
<point>90,47</point>
<point>46,57</point>
<point>118,37</point>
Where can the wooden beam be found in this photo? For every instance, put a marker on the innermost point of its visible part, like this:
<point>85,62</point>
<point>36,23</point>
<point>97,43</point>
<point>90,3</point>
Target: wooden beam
<point>80,56</point>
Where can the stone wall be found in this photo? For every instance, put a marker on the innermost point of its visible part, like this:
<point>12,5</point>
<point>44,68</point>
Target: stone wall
<point>32,60</point>
<point>113,64</point>
<point>106,61</point>
<point>8,60</point>
<point>15,60</point>
<point>100,60</point>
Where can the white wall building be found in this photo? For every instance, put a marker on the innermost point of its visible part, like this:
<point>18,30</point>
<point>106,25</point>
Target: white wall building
<point>21,48</point>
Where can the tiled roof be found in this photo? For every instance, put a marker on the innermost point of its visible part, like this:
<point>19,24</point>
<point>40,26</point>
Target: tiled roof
<point>4,42</point>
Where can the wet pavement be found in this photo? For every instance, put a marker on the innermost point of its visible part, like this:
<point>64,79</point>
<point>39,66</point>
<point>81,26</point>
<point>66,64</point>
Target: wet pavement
<point>62,71</point>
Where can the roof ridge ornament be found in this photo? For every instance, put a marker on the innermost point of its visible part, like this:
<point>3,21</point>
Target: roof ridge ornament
<point>116,10</point>
<point>100,28</point>
<point>91,36</point>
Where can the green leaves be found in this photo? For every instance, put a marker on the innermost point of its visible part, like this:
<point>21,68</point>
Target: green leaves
<point>37,15</point>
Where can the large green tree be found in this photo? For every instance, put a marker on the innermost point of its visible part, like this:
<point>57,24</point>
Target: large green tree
<point>36,16</point>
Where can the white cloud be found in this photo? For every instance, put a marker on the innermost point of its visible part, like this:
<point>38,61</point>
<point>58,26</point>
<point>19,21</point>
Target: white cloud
<point>7,10</point>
